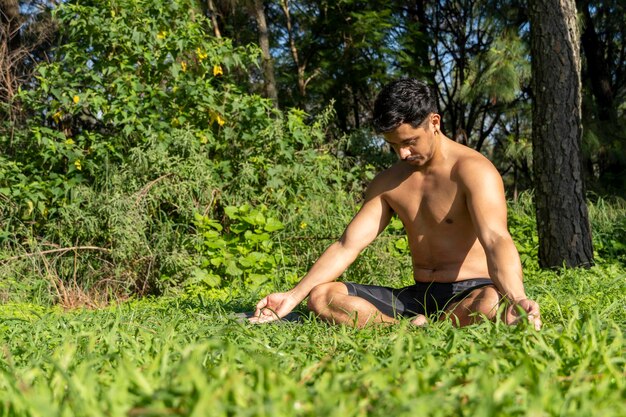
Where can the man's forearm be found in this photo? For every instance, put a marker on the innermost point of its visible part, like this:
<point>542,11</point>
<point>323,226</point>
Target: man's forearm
<point>505,269</point>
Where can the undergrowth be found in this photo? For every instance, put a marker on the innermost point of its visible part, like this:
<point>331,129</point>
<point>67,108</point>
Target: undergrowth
<point>194,356</point>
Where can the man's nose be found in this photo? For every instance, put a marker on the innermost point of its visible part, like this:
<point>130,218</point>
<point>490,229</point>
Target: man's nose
<point>404,152</point>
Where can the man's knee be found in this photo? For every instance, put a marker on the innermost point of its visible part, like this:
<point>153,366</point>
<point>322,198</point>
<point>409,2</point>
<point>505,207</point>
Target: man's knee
<point>480,303</point>
<point>486,301</point>
<point>321,296</point>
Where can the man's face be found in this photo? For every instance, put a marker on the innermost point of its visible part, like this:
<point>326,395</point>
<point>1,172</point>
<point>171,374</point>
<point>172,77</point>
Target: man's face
<point>415,145</point>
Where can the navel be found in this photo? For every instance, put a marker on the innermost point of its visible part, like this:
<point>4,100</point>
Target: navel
<point>449,221</point>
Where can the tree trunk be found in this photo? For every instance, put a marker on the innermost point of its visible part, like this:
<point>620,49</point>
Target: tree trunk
<point>284,4</point>
<point>10,21</point>
<point>355,106</point>
<point>213,16</point>
<point>264,43</point>
<point>562,217</point>
<point>10,41</point>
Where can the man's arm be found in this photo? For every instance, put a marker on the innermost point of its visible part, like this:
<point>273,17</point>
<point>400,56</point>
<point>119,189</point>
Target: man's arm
<point>368,223</point>
<point>486,203</point>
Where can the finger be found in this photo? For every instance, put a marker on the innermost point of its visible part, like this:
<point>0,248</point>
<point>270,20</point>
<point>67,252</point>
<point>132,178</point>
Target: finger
<point>535,320</point>
<point>260,306</point>
<point>512,315</point>
<point>258,320</point>
<point>270,312</point>
<point>535,316</point>
<point>419,320</point>
<point>262,319</point>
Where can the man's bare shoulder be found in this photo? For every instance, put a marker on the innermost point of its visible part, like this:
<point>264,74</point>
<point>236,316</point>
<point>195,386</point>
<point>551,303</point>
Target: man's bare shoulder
<point>387,179</point>
<point>472,165</point>
<point>474,172</point>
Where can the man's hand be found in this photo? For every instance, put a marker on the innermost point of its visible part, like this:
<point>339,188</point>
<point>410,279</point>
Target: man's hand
<point>274,307</point>
<point>524,308</point>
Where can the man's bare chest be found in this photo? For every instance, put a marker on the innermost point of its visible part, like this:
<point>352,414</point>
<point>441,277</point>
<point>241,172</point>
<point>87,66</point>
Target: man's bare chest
<point>428,203</point>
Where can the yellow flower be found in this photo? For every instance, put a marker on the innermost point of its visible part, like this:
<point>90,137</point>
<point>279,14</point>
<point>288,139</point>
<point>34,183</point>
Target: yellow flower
<point>215,117</point>
<point>162,34</point>
<point>217,70</point>
<point>303,225</point>
<point>183,66</point>
<point>69,142</point>
<point>201,55</point>
<point>76,99</point>
<point>78,165</point>
<point>57,116</point>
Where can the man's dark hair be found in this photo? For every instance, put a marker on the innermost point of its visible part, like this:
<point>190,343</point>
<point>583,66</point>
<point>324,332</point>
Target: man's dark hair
<point>403,101</point>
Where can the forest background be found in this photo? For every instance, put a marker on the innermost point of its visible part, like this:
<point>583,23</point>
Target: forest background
<point>153,147</point>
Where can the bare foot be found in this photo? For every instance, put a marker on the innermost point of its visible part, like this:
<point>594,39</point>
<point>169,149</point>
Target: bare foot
<point>419,320</point>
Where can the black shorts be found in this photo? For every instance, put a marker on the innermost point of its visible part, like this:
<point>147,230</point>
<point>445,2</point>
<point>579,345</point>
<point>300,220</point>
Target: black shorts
<point>428,298</point>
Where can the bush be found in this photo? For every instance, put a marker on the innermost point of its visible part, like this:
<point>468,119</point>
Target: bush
<point>139,123</point>
<point>126,72</point>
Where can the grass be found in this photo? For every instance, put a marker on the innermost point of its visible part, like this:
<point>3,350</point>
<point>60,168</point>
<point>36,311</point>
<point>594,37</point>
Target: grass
<point>189,355</point>
<point>193,357</point>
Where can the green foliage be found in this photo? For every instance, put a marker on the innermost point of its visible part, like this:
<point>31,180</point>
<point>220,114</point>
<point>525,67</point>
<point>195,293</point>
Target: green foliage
<point>139,120</point>
<point>125,72</point>
<point>499,72</point>
<point>608,226</point>
<point>523,230</point>
<point>243,255</point>
<point>608,222</point>
<point>174,357</point>
<point>579,293</point>
<point>399,246</point>
<point>138,220</point>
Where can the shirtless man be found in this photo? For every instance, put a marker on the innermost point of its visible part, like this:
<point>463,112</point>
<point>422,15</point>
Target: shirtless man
<point>451,202</point>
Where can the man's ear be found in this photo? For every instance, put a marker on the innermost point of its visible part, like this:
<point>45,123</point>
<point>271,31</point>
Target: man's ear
<point>435,120</point>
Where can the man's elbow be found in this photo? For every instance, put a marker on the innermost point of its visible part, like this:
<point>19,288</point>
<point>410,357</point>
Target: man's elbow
<point>497,240</point>
<point>348,248</point>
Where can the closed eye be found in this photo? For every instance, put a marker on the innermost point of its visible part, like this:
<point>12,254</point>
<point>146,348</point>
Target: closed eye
<point>404,143</point>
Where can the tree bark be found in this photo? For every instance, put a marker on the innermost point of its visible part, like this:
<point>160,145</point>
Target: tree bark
<point>10,42</point>
<point>10,20</point>
<point>562,217</point>
<point>264,43</point>
<point>284,4</point>
<point>213,16</point>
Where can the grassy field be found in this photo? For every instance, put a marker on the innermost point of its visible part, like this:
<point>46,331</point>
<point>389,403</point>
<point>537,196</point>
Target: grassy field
<point>193,357</point>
